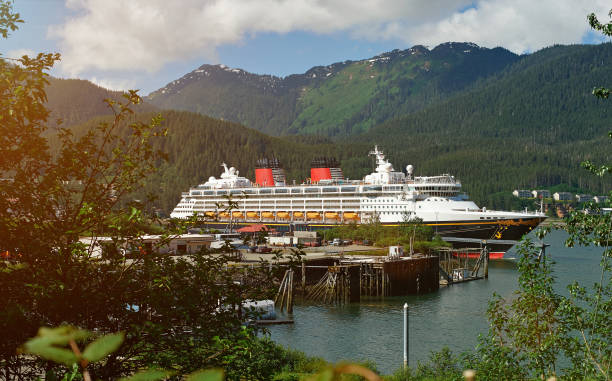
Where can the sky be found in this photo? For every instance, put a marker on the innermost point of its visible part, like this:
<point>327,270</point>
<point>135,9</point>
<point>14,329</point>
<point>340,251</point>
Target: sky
<point>145,44</point>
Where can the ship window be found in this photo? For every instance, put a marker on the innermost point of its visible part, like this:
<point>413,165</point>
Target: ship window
<point>330,189</point>
<point>372,189</point>
<point>236,191</point>
<point>248,191</point>
<point>221,192</point>
<point>347,189</point>
<point>281,190</point>
<point>296,190</point>
<point>265,191</point>
<point>208,193</point>
<point>195,193</point>
<point>311,190</point>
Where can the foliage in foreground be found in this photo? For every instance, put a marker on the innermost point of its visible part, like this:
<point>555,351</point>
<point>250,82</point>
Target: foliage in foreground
<point>248,358</point>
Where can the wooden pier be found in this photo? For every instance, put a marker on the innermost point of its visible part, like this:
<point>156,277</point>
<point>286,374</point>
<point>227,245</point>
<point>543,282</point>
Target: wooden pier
<point>343,280</point>
<point>351,279</point>
<point>339,285</point>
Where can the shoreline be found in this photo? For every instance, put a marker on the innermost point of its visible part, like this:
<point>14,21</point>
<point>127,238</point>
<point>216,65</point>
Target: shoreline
<point>553,221</point>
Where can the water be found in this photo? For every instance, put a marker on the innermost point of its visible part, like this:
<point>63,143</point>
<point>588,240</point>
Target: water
<point>452,317</point>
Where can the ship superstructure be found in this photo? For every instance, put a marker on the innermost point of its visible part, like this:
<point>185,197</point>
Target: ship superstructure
<point>388,196</point>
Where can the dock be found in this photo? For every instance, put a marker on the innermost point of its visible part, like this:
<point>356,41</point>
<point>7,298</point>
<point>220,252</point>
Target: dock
<point>328,278</point>
<point>456,265</point>
<point>274,322</point>
<point>350,279</point>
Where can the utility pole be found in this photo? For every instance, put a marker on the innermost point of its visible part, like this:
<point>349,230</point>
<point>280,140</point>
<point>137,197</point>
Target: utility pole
<point>406,336</point>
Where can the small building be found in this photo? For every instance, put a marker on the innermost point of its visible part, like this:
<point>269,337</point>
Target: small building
<point>584,197</point>
<point>180,244</point>
<point>396,251</point>
<point>563,196</point>
<point>542,193</point>
<point>306,238</point>
<point>255,232</point>
<point>600,199</point>
<point>522,193</point>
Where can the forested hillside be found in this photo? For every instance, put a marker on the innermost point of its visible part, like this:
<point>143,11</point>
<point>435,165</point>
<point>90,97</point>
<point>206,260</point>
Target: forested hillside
<point>338,99</point>
<point>75,101</point>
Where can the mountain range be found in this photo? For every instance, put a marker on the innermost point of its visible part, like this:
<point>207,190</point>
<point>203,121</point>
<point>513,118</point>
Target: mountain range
<point>339,99</point>
<point>496,120</point>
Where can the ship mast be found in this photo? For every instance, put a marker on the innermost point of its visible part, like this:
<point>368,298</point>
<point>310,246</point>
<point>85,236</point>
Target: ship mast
<point>379,155</point>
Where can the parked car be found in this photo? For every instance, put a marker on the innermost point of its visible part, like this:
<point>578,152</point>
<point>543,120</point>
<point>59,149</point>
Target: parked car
<point>264,249</point>
<point>347,242</point>
<point>337,242</point>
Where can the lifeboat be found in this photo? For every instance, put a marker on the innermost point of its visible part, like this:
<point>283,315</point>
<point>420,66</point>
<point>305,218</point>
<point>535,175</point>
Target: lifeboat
<point>298,214</point>
<point>267,215</point>
<point>210,214</point>
<point>351,216</point>
<point>332,215</point>
<point>237,214</point>
<point>313,215</point>
<point>224,215</point>
<point>252,215</point>
<point>282,215</point>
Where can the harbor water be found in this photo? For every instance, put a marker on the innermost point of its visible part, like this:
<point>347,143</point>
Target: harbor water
<point>451,317</point>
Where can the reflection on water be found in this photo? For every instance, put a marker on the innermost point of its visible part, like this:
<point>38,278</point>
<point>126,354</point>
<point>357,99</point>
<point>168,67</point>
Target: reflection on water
<point>453,316</point>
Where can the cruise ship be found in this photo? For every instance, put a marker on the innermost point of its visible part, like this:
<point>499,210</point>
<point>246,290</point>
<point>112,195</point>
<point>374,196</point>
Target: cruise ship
<point>327,199</point>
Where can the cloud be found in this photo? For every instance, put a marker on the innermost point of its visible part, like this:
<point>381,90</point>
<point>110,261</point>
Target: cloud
<point>18,53</point>
<point>114,84</point>
<point>117,35</point>
<point>518,25</point>
<point>148,34</point>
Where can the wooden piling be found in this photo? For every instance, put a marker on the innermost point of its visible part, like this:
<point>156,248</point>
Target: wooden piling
<point>486,263</point>
<point>290,293</point>
<point>376,281</point>
<point>280,290</point>
<point>303,277</point>
<point>384,283</point>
